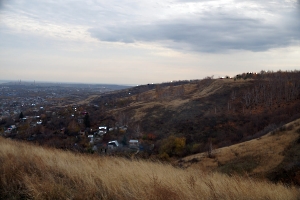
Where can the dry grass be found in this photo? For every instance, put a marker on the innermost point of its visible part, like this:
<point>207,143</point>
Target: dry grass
<point>31,172</point>
<point>192,92</point>
<point>87,100</point>
<point>267,150</point>
<point>216,85</point>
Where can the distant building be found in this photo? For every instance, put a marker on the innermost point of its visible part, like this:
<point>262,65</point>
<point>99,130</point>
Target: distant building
<point>91,137</point>
<point>102,130</point>
<point>112,144</point>
<point>134,144</point>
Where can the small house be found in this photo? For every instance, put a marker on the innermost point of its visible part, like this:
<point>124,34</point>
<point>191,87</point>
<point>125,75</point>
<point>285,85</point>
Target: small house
<point>82,132</point>
<point>91,137</point>
<point>102,130</point>
<point>112,144</point>
<point>134,144</point>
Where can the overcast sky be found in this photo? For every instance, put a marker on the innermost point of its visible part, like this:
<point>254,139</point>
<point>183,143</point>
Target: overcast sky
<point>139,42</point>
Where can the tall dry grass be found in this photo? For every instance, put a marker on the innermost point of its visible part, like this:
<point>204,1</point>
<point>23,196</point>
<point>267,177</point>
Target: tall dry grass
<point>267,152</point>
<point>31,172</point>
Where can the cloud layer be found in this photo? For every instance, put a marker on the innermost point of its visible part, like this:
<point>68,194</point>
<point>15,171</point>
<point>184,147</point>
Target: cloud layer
<point>215,26</point>
<point>185,25</point>
<point>133,41</point>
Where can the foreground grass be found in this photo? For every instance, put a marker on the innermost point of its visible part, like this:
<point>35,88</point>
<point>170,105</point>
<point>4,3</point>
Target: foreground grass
<point>30,172</point>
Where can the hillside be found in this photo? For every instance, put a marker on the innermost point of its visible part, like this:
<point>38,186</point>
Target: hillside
<point>274,156</point>
<point>32,172</point>
<point>220,111</point>
<point>170,120</point>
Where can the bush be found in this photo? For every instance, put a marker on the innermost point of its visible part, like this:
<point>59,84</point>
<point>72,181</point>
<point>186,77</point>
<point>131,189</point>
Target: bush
<point>173,146</point>
<point>164,156</point>
<point>239,166</point>
<point>290,127</point>
<point>282,129</point>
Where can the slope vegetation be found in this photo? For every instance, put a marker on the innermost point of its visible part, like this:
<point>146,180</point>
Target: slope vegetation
<point>223,111</point>
<point>274,155</point>
<point>31,172</point>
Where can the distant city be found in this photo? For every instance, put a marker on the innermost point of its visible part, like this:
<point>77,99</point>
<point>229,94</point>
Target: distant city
<point>17,96</point>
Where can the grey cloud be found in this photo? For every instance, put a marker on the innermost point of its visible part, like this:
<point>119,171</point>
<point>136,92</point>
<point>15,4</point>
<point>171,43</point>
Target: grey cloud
<point>211,34</point>
<point>2,4</point>
<point>218,29</point>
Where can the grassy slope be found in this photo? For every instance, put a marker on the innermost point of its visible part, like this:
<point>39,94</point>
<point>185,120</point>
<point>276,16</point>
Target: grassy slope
<point>203,112</point>
<point>166,116</point>
<point>28,171</point>
<point>257,157</point>
<point>192,92</point>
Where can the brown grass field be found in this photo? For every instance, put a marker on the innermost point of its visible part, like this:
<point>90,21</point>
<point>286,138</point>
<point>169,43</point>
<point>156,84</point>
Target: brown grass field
<point>267,152</point>
<point>192,92</point>
<point>34,172</point>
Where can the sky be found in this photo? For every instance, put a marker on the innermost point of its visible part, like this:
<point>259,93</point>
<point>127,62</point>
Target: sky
<point>138,42</point>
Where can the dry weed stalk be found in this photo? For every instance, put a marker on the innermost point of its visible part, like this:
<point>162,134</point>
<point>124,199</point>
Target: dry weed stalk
<point>31,172</point>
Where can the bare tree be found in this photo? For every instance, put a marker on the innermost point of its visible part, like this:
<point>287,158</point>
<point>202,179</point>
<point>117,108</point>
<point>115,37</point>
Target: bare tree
<point>137,130</point>
<point>158,92</point>
<point>233,95</point>
<point>247,97</point>
<point>210,149</point>
<point>171,89</point>
<point>122,119</point>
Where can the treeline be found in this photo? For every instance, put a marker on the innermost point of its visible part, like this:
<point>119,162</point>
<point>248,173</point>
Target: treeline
<point>269,101</point>
<point>268,89</point>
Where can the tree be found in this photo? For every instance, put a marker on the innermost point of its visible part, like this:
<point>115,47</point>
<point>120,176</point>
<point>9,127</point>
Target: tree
<point>21,115</point>
<point>173,146</point>
<point>124,140</point>
<point>210,148</point>
<point>73,127</point>
<point>122,119</point>
<point>86,120</point>
<point>158,92</point>
<point>137,131</point>
<point>171,89</point>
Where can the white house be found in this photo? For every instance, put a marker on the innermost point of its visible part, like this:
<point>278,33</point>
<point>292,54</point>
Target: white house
<point>134,144</point>
<point>102,130</point>
<point>112,144</point>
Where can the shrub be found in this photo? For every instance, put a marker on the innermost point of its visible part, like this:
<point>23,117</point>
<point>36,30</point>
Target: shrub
<point>290,127</point>
<point>164,156</point>
<point>282,128</point>
<point>173,146</point>
<point>239,166</point>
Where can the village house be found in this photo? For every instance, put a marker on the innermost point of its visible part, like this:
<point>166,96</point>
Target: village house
<point>134,144</point>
